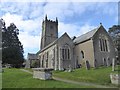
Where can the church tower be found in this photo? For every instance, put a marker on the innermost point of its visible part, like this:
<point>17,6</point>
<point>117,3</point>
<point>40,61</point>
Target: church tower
<point>49,32</point>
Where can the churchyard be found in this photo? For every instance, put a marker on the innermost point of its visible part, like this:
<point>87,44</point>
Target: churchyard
<point>15,78</point>
<point>99,75</point>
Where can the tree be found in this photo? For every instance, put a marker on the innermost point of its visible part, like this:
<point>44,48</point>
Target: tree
<point>12,49</point>
<point>114,32</point>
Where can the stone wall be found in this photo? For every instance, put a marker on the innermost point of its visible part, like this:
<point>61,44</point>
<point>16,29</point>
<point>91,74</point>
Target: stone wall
<point>87,49</point>
<point>49,55</point>
<point>65,63</point>
<point>101,56</point>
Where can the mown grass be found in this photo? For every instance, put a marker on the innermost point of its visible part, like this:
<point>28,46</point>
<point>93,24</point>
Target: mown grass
<point>15,78</point>
<point>29,69</point>
<point>0,80</point>
<point>100,75</point>
<point>117,69</point>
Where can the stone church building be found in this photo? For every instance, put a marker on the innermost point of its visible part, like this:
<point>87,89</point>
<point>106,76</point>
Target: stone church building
<point>61,53</point>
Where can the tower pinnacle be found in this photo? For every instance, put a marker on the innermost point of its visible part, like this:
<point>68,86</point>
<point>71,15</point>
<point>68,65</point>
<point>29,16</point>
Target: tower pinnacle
<point>46,17</point>
<point>56,20</point>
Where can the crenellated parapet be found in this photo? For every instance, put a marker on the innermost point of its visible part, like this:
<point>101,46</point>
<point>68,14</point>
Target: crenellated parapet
<point>50,21</point>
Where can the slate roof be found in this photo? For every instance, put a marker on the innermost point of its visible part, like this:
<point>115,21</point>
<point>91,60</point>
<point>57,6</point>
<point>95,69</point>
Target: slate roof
<point>85,36</point>
<point>77,40</point>
<point>32,56</point>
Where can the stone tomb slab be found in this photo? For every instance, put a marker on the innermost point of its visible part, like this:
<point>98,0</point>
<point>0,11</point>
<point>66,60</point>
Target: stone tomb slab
<point>42,73</point>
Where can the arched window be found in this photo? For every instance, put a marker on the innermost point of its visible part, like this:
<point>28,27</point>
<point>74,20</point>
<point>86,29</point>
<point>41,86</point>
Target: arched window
<point>100,42</point>
<point>65,52</point>
<point>103,43</point>
<point>47,60</point>
<point>82,54</point>
<point>39,61</point>
<point>106,45</point>
<point>43,61</point>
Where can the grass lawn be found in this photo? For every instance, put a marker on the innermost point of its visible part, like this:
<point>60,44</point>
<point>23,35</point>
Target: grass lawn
<point>29,69</point>
<point>100,75</point>
<point>15,78</point>
<point>117,70</point>
<point>0,81</point>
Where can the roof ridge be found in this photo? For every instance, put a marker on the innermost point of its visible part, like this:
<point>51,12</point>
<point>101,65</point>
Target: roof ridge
<point>88,32</point>
<point>87,35</point>
<point>52,43</point>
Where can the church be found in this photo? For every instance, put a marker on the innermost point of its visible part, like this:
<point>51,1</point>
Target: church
<point>61,53</point>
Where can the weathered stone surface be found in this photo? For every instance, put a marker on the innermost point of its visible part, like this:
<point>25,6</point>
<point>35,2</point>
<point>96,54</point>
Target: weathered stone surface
<point>113,64</point>
<point>42,73</point>
<point>115,79</point>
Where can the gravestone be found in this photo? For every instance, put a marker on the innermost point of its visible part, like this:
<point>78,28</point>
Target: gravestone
<point>115,78</point>
<point>70,68</point>
<point>87,65</point>
<point>113,64</point>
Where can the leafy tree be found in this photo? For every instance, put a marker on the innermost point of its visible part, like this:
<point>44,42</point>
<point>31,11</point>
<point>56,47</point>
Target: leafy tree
<point>12,49</point>
<point>114,31</point>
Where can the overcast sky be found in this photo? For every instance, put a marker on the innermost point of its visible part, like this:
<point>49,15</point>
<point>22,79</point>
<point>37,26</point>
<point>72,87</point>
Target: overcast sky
<point>75,18</point>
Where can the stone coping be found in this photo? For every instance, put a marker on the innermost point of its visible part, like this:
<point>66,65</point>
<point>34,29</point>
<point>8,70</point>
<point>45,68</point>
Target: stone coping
<point>42,69</point>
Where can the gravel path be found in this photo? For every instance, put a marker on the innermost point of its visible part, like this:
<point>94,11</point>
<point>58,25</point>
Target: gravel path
<point>74,82</point>
<point>82,83</point>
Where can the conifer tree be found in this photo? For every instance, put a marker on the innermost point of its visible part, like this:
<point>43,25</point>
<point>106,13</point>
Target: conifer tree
<point>12,49</point>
